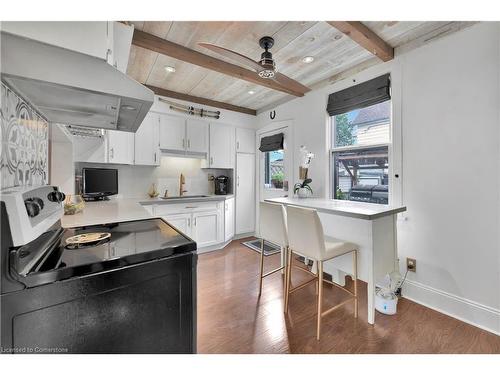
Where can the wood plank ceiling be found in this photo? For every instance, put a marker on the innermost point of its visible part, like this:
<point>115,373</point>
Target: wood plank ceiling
<point>333,52</point>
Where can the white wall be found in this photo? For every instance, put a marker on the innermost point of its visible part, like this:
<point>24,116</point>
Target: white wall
<point>134,181</point>
<point>445,99</point>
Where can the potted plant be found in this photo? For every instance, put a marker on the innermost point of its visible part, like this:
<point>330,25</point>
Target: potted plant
<point>277,180</point>
<point>303,190</point>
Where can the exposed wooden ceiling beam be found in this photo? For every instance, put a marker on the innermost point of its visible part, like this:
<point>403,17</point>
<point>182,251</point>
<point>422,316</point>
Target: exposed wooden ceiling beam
<point>365,38</point>
<point>177,51</point>
<point>197,99</point>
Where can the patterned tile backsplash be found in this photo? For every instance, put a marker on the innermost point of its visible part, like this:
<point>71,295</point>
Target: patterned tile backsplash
<point>24,140</point>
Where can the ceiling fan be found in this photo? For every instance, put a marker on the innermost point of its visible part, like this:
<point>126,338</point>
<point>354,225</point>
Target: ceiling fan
<point>265,67</point>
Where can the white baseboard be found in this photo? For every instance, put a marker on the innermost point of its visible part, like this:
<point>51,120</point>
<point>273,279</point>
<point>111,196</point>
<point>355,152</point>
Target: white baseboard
<point>460,308</point>
<point>244,235</point>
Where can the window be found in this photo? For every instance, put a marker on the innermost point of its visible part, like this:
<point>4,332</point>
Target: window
<point>360,154</point>
<point>273,169</point>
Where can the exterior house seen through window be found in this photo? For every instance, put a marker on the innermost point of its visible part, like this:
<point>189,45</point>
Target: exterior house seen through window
<point>273,169</point>
<point>360,154</point>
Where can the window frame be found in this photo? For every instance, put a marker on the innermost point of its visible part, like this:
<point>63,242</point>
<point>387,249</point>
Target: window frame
<point>333,150</point>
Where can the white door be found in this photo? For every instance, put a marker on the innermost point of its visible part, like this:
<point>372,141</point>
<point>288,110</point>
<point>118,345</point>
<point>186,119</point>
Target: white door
<point>205,228</point>
<point>120,147</point>
<point>181,222</point>
<point>147,150</point>
<point>172,133</point>
<point>245,140</point>
<point>196,136</point>
<point>275,167</point>
<point>229,219</point>
<point>245,193</point>
<point>222,146</point>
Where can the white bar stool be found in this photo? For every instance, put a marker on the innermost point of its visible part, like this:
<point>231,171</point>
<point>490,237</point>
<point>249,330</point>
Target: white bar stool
<point>305,236</point>
<point>272,219</point>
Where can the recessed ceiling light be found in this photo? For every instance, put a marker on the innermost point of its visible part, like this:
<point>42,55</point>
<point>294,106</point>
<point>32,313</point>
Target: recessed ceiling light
<point>170,69</point>
<point>308,59</point>
<point>251,92</point>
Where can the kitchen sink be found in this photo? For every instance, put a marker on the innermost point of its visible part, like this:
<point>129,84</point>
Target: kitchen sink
<point>187,197</point>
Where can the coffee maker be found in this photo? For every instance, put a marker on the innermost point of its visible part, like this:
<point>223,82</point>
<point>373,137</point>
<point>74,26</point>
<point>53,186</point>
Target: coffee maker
<point>221,185</point>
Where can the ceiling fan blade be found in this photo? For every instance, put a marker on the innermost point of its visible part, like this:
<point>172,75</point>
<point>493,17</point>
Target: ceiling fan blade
<point>289,83</point>
<point>235,56</point>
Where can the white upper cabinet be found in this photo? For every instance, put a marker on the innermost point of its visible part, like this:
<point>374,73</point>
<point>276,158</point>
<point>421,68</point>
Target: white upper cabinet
<point>196,136</point>
<point>120,147</point>
<point>90,149</point>
<point>89,37</point>
<point>222,146</point>
<point>147,151</point>
<point>183,136</point>
<point>172,133</point>
<point>245,140</point>
<point>108,41</point>
<point>119,43</point>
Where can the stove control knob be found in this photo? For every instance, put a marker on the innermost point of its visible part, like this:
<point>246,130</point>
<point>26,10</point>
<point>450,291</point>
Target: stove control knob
<point>39,201</point>
<point>56,196</point>
<point>32,207</point>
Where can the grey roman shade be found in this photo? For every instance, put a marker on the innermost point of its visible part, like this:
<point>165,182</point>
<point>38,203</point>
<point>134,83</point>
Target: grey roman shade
<point>272,143</point>
<point>368,93</point>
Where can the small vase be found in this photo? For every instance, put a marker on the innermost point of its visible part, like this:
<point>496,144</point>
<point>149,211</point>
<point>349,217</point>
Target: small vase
<point>303,193</point>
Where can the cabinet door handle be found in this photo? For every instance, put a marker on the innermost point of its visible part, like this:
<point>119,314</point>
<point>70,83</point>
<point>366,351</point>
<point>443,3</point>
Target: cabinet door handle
<point>237,145</point>
<point>194,221</point>
<point>211,160</point>
<point>183,143</point>
<point>189,143</point>
<point>189,222</point>
<point>112,153</point>
<point>238,181</point>
<point>155,156</point>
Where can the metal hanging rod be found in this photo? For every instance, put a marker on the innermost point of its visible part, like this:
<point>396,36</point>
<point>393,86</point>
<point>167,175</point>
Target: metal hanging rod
<point>190,110</point>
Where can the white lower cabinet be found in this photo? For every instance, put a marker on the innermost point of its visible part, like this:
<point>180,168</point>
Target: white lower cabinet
<point>229,219</point>
<point>181,222</point>
<point>204,222</point>
<point>205,228</point>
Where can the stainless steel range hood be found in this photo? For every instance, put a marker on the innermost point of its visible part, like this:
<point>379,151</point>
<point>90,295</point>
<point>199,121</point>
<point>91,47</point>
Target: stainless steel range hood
<point>72,88</point>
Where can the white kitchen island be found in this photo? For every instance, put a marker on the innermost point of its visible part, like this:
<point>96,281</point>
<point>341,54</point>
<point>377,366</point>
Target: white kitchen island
<point>371,226</point>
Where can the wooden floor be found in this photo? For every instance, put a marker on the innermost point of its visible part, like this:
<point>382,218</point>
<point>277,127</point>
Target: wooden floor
<point>233,319</point>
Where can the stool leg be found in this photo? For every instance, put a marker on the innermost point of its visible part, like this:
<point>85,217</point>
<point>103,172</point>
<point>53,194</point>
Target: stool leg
<point>320,297</point>
<point>261,264</point>
<point>355,265</point>
<point>288,277</point>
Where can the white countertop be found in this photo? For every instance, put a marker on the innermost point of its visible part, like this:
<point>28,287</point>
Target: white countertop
<point>123,209</point>
<point>359,210</point>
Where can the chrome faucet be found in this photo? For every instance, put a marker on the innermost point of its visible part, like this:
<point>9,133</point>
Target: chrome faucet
<point>182,181</point>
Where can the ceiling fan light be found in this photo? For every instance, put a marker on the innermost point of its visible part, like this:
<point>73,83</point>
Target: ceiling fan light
<point>269,68</point>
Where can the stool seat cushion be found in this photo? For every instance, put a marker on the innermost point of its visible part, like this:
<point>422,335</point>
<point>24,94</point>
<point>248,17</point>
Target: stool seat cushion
<point>335,247</point>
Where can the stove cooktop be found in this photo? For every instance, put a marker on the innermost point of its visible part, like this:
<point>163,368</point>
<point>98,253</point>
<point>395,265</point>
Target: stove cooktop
<point>130,243</point>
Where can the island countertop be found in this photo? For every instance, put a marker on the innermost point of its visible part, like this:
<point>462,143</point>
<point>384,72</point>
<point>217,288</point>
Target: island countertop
<point>124,209</point>
<point>358,210</point>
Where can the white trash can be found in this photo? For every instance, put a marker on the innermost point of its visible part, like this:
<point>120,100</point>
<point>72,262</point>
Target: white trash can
<point>386,301</point>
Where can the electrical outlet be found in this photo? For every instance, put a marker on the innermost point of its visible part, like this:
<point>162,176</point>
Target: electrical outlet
<point>210,177</point>
<point>411,264</point>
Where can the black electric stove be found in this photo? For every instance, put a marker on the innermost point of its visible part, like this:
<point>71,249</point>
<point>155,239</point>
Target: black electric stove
<point>133,292</point>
